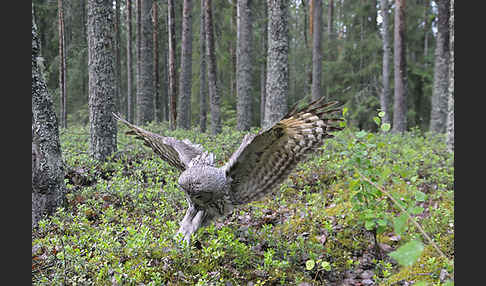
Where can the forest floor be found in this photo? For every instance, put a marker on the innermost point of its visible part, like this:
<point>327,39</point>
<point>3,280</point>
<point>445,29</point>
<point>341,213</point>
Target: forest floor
<point>325,225</point>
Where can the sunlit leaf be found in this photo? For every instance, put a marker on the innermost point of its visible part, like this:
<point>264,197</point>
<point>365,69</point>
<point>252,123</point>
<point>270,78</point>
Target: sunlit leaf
<point>377,120</point>
<point>407,254</point>
<point>309,265</point>
<point>326,265</point>
<point>385,127</point>
<point>400,224</point>
<point>420,196</point>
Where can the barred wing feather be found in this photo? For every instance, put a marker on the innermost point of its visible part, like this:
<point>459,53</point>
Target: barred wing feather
<point>179,153</point>
<point>264,160</point>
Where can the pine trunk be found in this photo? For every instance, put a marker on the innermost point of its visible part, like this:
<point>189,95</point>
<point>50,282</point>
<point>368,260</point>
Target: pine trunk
<point>263,75</point>
<point>330,21</point>
<point>145,84</point>
<point>277,62</point>
<point>233,89</point>
<point>316,90</point>
<point>438,115</point>
<point>138,32</point>
<point>214,98</point>
<point>244,65</point>
<point>84,53</point>
<point>129,63</point>
<point>330,32</point>
<point>101,79</point>
<point>165,74</point>
<point>203,85</point>
<point>385,93</point>
<point>62,66</point>
<point>450,113</point>
<point>48,186</point>
<point>172,67</point>
<point>118,96</point>
<point>400,69</point>
<point>184,106</point>
<point>155,39</point>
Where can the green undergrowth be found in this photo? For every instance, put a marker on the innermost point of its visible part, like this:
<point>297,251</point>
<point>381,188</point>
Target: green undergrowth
<point>323,225</point>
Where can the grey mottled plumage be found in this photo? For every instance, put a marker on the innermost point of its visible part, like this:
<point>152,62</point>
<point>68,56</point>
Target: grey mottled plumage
<point>261,163</point>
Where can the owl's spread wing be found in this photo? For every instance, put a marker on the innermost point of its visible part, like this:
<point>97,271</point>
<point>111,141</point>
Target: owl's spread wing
<point>264,160</point>
<point>179,153</point>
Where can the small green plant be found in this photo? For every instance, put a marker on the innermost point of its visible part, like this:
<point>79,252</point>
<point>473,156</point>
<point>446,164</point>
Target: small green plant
<point>120,217</point>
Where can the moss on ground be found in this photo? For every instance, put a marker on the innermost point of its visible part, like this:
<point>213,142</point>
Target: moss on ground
<point>119,217</point>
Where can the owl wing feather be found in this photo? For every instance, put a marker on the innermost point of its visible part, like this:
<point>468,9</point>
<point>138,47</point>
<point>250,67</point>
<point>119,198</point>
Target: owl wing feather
<point>264,160</point>
<point>179,153</point>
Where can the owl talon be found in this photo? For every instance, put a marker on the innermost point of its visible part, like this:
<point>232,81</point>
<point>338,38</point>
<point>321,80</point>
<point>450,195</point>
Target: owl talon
<point>190,224</point>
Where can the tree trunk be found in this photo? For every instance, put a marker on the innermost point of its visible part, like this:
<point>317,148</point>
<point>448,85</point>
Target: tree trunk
<point>138,62</point>
<point>184,112</point>
<point>101,79</point>
<point>203,85</point>
<point>145,84</point>
<point>155,19</point>
<point>47,168</point>
<point>330,32</point>
<point>330,21</point>
<point>426,32</point>
<point>62,66</point>
<point>308,84</point>
<point>165,68</point>
<point>438,114</point>
<point>244,65</point>
<point>419,108</point>
<point>118,96</point>
<point>263,75</point>
<point>400,69</point>
<point>172,66</point>
<point>129,63</point>
<point>277,62</point>
<point>214,98</point>
<point>308,71</point>
<point>450,113</point>
<point>316,90</point>
<point>64,75</point>
<point>385,93</point>
<point>84,53</point>
<point>233,88</point>
<point>303,3</point>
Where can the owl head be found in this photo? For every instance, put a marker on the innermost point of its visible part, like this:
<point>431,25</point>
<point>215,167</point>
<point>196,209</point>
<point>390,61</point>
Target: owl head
<point>203,183</point>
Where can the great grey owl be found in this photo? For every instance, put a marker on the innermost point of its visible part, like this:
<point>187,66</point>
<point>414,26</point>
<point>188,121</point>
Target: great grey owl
<point>261,163</point>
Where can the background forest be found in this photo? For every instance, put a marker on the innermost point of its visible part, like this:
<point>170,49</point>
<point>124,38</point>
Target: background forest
<point>373,206</point>
<point>351,46</point>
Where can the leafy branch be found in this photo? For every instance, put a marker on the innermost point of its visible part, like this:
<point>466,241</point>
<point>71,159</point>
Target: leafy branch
<point>419,227</point>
